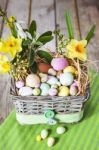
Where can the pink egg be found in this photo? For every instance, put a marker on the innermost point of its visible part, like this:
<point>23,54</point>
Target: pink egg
<point>75,83</point>
<point>52,92</point>
<point>59,63</point>
<point>19,84</point>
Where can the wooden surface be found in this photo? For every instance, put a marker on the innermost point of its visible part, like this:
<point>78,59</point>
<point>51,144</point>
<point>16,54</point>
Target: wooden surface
<point>49,15</point>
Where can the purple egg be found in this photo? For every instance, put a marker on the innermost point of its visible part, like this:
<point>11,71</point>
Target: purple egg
<point>59,63</point>
<point>19,84</point>
<point>52,92</point>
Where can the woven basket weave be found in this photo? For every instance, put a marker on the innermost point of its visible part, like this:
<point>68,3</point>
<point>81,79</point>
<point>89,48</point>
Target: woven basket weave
<point>30,105</point>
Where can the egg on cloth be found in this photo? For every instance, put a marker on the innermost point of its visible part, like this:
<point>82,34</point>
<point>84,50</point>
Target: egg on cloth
<point>36,91</point>
<point>44,89</point>
<point>53,92</point>
<point>44,67</point>
<point>73,90</point>
<point>60,130</point>
<point>70,69</point>
<point>44,134</point>
<point>66,78</point>
<point>19,84</point>
<point>25,91</point>
<point>51,141</point>
<point>59,63</point>
<point>33,80</point>
<point>63,91</point>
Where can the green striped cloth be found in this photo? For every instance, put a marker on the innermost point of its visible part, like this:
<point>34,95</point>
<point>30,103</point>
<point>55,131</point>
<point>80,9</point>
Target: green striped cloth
<point>80,136</point>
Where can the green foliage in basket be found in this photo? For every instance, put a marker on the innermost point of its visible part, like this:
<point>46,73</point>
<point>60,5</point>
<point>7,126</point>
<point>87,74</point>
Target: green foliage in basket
<point>24,47</point>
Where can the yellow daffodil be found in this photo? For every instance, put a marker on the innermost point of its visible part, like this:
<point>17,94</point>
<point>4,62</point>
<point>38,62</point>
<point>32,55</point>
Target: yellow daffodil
<point>4,64</point>
<point>77,49</point>
<point>12,46</point>
<point>11,20</point>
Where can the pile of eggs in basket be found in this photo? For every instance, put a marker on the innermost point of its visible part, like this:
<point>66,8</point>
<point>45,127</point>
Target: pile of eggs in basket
<point>57,79</point>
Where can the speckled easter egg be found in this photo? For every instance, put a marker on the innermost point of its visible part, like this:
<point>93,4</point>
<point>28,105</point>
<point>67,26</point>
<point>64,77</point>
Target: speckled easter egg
<point>36,91</point>
<point>44,134</point>
<point>59,63</point>
<point>44,89</point>
<point>52,80</point>
<point>66,78</point>
<point>25,91</point>
<point>52,72</point>
<point>43,67</point>
<point>70,69</point>
<point>60,130</point>
<point>43,76</point>
<point>33,80</point>
<point>51,141</point>
<point>19,84</point>
<point>73,90</point>
<point>63,91</point>
<point>53,92</point>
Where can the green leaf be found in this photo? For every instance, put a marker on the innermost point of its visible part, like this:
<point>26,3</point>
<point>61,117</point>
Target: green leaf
<point>48,33</point>
<point>45,55</point>
<point>90,33</point>
<point>32,28</point>
<point>69,25</point>
<point>31,57</point>
<point>45,39</point>
<point>34,67</point>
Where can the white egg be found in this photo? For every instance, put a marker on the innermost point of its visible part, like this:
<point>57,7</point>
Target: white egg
<point>44,134</point>
<point>52,80</point>
<point>25,91</point>
<point>44,89</point>
<point>51,141</point>
<point>60,130</point>
<point>52,72</point>
<point>66,78</point>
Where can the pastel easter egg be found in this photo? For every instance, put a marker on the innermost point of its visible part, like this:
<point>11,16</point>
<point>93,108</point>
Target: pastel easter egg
<point>53,92</point>
<point>70,69</point>
<point>63,91</point>
<point>44,89</point>
<point>58,74</point>
<point>25,91</point>
<point>59,63</point>
<point>52,80</point>
<point>55,86</point>
<point>44,134</point>
<point>51,141</point>
<point>60,130</point>
<point>52,72</point>
<point>66,78</point>
<point>44,67</point>
<point>19,84</point>
<point>33,80</point>
<point>36,91</point>
<point>75,83</point>
<point>73,90</point>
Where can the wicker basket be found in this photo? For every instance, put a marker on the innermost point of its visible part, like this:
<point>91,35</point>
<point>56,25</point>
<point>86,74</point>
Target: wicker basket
<point>47,109</point>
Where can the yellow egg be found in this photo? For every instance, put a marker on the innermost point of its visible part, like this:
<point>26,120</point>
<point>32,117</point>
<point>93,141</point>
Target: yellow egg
<point>70,69</point>
<point>38,138</point>
<point>63,91</point>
